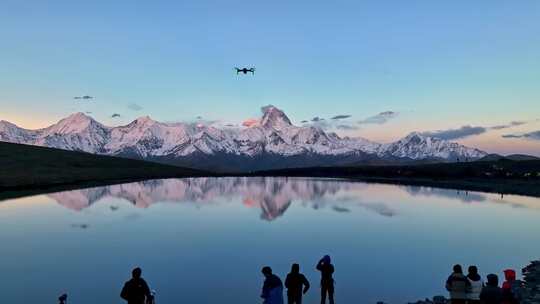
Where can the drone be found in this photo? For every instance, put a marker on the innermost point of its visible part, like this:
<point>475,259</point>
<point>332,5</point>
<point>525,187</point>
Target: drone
<point>86,97</point>
<point>245,71</point>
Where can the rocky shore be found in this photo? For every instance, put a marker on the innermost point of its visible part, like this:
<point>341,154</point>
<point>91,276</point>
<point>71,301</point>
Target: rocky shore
<point>530,293</point>
<point>531,278</point>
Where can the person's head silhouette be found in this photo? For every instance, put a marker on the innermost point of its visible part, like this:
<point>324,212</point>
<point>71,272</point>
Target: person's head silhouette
<point>458,269</point>
<point>492,280</point>
<point>267,271</point>
<point>295,268</point>
<point>326,259</point>
<point>136,273</point>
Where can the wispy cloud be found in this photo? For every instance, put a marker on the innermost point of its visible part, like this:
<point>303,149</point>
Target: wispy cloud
<point>509,125</point>
<point>380,118</point>
<point>316,119</point>
<point>535,135</point>
<point>468,130</point>
<point>115,115</point>
<point>458,133</point>
<point>341,117</point>
<point>135,107</point>
<point>347,127</point>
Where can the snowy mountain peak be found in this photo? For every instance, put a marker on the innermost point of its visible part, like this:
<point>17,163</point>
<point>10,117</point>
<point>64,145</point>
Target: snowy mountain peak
<point>74,123</point>
<point>79,116</point>
<point>145,120</point>
<point>4,124</point>
<point>415,136</point>
<point>274,118</point>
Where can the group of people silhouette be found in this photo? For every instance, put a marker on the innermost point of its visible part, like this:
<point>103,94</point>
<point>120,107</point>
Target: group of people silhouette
<point>297,285</point>
<point>136,290</point>
<point>463,289</point>
<point>471,289</point>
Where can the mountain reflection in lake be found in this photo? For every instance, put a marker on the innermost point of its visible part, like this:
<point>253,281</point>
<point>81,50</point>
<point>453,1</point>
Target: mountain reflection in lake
<point>204,240</point>
<point>272,195</point>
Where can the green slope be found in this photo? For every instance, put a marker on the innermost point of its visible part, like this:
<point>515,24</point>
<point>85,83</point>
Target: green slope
<point>25,167</point>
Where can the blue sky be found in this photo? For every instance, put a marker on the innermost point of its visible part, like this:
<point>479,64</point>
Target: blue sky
<point>439,65</point>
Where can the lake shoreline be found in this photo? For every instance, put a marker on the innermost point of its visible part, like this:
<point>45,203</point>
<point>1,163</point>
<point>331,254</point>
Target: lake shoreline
<point>498,186</point>
<point>30,170</point>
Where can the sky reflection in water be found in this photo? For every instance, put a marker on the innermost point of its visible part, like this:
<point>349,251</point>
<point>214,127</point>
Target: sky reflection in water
<point>204,240</point>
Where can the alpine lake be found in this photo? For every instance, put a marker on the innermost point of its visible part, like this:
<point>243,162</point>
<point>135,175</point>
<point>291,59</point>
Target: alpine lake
<point>205,240</point>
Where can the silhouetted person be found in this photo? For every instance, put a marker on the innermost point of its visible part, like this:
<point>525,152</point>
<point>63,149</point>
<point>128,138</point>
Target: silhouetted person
<point>458,285</point>
<point>491,293</point>
<point>327,281</point>
<point>62,299</point>
<point>136,290</point>
<point>511,288</point>
<point>296,284</point>
<point>476,282</point>
<point>272,291</point>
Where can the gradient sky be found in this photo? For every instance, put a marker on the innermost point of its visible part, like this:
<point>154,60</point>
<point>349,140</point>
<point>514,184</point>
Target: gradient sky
<point>438,64</point>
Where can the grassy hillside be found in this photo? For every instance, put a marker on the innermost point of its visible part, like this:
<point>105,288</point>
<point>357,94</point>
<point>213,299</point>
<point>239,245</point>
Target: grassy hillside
<point>23,167</point>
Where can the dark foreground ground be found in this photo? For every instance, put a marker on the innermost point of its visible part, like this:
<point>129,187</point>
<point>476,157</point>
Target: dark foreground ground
<point>26,170</point>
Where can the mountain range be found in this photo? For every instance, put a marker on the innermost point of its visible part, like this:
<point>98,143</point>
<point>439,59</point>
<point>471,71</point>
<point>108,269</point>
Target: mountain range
<point>272,142</point>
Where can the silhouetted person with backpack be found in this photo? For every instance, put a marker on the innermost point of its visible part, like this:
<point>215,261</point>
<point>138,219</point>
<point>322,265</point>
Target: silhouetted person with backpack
<point>136,290</point>
<point>296,284</point>
<point>491,293</point>
<point>272,291</point>
<point>327,281</point>
<point>477,284</point>
<point>458,285</point>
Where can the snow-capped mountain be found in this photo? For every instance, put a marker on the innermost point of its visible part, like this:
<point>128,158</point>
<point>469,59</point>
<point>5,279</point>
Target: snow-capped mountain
<point>417,146</point>
<point>271,142</point>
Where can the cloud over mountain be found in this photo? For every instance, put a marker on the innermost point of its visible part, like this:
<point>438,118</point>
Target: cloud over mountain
<point>509,125</point>
<point>468,130</point>
<point>341,117</point>
<point>347,127</point>
<point>458,133</point>
<point>535,135</point>
<point>135,107</point>
<point>380,118</point>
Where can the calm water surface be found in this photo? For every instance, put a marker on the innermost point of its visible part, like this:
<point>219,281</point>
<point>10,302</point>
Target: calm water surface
<point>204,240</point>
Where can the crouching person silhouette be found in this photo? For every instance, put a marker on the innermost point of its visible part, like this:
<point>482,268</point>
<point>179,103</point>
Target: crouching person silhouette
<point>296,284</point>
<point>272,291</point>
<point>136,290</point>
